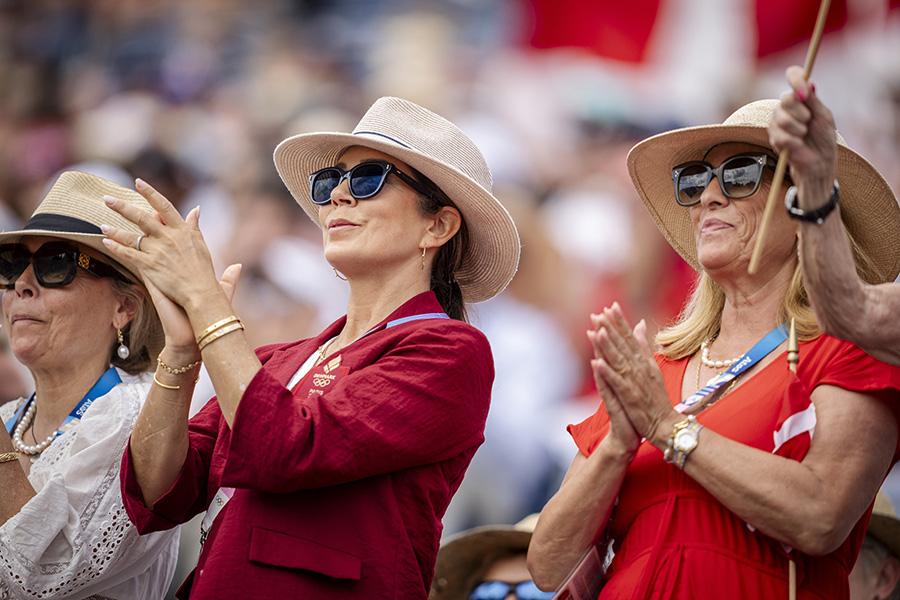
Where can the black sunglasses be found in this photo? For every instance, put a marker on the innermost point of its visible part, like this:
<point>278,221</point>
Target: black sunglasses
<point>55,265</point>
<point>366,180</point>
<point>499,590</point>
<point>739,177</point>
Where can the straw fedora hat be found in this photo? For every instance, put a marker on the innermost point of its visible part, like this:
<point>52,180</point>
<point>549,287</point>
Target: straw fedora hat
<point>868,205</point>
<point>73,209</point>
<point>884,525</point>
<point>465,557</point>
<point>439,150</point>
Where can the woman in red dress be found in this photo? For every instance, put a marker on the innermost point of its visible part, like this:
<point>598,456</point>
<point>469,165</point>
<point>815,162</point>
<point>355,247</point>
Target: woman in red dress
<point>716,470</point>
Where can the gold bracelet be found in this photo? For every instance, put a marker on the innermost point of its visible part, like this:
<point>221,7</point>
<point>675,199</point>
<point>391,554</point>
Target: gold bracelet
<point>217,325</point>
<point>162,385</point>
<point>9,456</point>
<point>177,371</point>
<point>219,333</point>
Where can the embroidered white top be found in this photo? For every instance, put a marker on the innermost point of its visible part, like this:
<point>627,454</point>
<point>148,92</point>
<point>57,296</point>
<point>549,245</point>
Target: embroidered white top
<point>73,539</point>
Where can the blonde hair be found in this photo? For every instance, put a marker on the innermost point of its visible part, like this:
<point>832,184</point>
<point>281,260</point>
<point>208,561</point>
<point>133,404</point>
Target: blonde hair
<point>701,317</point>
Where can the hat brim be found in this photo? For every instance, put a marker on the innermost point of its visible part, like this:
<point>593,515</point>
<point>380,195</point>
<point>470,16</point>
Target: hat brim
<point>493,255</point>
<point>463,558</point>
<point>886,530</point>
<point>868,205</point>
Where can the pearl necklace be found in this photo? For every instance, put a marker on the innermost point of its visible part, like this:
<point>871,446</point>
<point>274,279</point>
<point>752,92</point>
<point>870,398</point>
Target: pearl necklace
<point>22,426</point>
<point>714,364</point>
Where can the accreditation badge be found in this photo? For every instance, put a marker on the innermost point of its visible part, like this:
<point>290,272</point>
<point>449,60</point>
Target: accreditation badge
<point>321,378</point>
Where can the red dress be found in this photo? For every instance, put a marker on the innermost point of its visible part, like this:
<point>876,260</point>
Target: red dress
<point>673,539</point>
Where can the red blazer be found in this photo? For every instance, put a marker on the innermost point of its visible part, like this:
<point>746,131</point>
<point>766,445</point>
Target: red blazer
<point>339,495</point>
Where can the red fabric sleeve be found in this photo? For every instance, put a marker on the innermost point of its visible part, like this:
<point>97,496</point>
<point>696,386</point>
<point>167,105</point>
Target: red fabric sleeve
<point>830,361</point>
<point>425,400</point>
<point>190,494</point>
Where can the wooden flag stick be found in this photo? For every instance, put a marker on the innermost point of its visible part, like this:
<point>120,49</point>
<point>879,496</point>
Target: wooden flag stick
<point>781,167</point>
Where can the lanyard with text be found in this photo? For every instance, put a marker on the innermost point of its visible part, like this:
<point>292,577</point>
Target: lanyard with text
<point>763,347</point>
<point>321,377</point>
<point>108,381</point>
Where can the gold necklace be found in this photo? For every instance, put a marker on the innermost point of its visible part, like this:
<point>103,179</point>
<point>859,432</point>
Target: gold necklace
<point>325,347</point>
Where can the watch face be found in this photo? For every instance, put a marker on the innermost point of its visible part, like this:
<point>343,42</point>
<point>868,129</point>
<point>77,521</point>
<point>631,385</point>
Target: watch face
<point>685,441</point>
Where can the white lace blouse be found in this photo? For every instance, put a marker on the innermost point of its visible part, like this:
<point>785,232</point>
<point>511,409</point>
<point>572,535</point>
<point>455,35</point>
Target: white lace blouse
<point>73,539</point>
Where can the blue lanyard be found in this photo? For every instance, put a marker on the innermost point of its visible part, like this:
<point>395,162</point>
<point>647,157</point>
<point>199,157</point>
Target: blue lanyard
<point>402,320</point>
<point>107,382</point>
<point>762,348</point>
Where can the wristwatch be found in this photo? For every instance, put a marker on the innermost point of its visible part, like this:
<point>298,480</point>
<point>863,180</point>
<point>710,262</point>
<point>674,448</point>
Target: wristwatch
<point>817,216</point>
<point>683,441</point>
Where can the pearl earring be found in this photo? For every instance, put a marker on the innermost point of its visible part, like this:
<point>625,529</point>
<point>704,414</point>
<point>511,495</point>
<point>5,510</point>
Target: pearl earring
<point>123,350</point>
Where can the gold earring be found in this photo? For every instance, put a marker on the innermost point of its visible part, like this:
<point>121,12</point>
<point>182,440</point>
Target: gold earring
<point>423,257</point>
<point>122,350</point>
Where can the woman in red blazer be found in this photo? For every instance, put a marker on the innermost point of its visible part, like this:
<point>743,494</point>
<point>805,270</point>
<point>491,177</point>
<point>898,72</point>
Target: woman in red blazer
<point>325,465</point>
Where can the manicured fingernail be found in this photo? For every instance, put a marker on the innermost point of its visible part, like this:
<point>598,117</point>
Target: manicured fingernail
<point>109,200</point>
<point>802,95</point>
<point>812,87</point>
<point>107,242</point>
<point>104,228</point>
<point>140,183</point>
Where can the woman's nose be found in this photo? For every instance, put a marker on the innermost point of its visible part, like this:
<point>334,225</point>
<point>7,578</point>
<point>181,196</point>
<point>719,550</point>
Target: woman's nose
<point>341,194</point>
<point>713,193</point>
<point>27,283</point>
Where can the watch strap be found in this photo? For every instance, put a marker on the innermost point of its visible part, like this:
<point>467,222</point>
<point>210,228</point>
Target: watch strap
<point>816,216</point>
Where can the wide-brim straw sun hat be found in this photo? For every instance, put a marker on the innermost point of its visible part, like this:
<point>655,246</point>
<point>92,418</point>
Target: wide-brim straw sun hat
<point>868,205</point>
<point>440,151</point>
<point>73,209</point>
<point>884,525</point>
<point>466,556</point>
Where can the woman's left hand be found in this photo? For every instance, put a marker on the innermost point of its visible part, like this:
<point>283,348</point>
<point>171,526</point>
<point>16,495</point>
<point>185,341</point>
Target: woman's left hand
<point>171,253</point>
<point>631,376</point>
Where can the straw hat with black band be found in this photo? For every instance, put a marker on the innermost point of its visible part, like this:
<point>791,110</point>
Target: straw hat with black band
<point>868,205</point>
<point>440,151</point>
<point>466,556</point>
<point>74,210</point>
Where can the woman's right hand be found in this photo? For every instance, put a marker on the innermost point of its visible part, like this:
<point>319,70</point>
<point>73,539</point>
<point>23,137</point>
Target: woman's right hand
<point>803,125</point>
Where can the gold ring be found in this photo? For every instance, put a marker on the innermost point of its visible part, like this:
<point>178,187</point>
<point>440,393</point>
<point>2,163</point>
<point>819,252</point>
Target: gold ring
<point>624,370</point>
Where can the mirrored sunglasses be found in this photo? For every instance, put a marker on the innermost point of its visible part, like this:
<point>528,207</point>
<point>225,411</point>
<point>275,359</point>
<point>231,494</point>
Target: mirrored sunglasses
<point>499,590</point>
<point>366,180</point>
<point>55,265</point>
<point>739,177</point>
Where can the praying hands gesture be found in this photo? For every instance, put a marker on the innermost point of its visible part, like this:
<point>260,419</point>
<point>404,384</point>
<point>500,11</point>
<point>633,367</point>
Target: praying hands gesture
<point>629,381</point>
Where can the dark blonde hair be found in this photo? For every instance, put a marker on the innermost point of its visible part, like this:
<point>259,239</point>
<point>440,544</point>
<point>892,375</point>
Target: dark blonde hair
<point>144,334</point>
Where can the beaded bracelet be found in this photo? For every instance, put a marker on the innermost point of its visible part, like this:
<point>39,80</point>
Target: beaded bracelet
<point>216,334</point>
<point>179,371</point>
<point>9,456</point>
<point>217,325</point>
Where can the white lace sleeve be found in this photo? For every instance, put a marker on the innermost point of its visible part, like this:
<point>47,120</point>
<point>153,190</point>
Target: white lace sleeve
<point>73,539</point>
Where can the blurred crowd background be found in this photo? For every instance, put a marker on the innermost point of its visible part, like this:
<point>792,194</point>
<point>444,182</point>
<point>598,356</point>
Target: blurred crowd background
<point>194,95</point>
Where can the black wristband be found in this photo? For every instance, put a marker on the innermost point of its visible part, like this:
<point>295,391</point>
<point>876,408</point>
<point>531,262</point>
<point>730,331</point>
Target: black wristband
<point>817,216</point>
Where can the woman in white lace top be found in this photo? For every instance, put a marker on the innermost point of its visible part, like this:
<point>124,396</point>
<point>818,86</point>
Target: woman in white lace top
<point>87,331</point>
